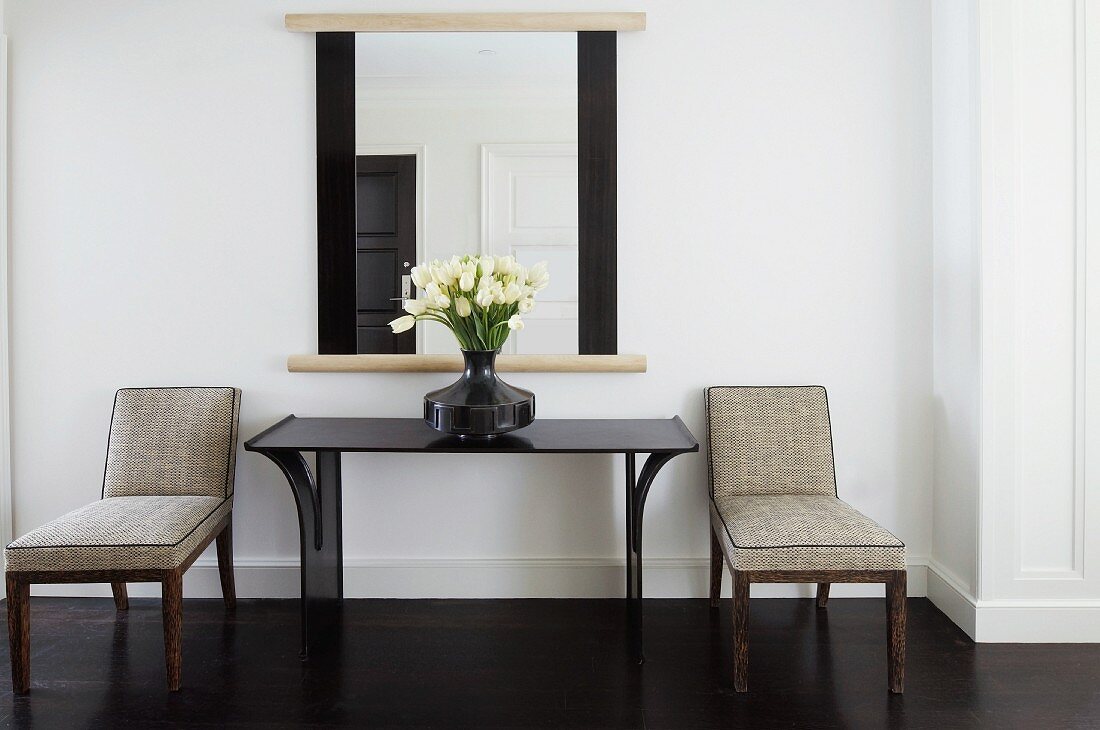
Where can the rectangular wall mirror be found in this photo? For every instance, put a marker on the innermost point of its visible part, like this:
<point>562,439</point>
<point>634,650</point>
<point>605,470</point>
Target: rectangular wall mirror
<point>465,143</point>
<point>438,143</point>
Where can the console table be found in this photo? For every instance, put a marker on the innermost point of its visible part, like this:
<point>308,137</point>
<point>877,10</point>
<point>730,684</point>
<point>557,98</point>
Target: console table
<point>318,496</point>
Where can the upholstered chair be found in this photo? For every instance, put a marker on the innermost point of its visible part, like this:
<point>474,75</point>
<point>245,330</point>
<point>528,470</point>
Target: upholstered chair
<point>167,493</point>
<point>775,516</point>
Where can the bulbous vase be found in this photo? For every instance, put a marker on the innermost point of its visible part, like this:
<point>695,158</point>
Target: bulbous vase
<point>479,405</point>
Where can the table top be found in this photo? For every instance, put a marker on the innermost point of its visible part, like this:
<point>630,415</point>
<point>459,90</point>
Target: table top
<point>547,435</point>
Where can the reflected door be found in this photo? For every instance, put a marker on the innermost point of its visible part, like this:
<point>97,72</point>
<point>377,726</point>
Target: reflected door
<point>385,249</point>
<point>529,210</point>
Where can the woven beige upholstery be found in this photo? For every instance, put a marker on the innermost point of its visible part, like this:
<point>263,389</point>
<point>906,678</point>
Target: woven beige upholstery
<point>773,487</point>
<point>172,441</point>
<point>167,484</point>
<point>803,532</point>
<point>770,440</point>
<point>120,533</point>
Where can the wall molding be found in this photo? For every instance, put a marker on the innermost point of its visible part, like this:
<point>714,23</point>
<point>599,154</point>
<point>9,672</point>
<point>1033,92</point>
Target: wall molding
<point>1035,513</point>
<point>481,578</point>
<point>1081,415</point>
<point>6,518</point>
<point>1013,620</point>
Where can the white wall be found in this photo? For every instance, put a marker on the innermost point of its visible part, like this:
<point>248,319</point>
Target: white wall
<point>774,189</point>
<point>955,322</point>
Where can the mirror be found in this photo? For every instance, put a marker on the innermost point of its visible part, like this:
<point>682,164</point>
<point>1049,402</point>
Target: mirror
<point>466,143</point>
<point>361,263</point>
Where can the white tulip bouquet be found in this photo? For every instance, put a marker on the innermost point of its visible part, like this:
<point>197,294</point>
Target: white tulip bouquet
<point>479,298</point>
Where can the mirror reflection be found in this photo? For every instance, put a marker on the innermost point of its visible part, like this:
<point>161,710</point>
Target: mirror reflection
<point>466,143</point>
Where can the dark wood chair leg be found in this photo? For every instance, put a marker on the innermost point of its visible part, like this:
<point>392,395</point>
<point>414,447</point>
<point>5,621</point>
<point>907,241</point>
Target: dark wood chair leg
<point>19,634</point>
<point>822,595</point>
<point>225,565</point>
<point>716,558</point>
<point>171,591</point>
<point>895,630</point>
<point>122,600</point>
<point>740,631</point>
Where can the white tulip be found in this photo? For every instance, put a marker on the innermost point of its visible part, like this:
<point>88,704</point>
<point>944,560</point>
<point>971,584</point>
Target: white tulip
<point>440,275</point>
<point>487,264</point>
<point>462,307</point>
<point>538,278</point>
<point>466,281</point>
<point>512,293</point>
<point>454,267</point>
<point>416,307</point>
<point>515,322</point>
<point>538,271</point>
<point>485,282</point>
<point>437,296</point>
<point>484,298</point>
<point>421,276</point>
<point>498,293</point>
<point>403,324</point>
<point>526,305</point>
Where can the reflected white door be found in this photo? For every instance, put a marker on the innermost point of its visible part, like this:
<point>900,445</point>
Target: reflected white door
<point>529,210</point>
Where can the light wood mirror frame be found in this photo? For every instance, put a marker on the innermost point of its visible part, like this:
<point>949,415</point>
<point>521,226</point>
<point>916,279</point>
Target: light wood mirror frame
<point>335,104</point>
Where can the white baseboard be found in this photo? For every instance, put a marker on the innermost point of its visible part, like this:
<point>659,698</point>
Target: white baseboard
<point>480,578</point>
<point>994,621</point>
<point>1006,620</point>
<point>950,595</point>
<point>1052,621</point>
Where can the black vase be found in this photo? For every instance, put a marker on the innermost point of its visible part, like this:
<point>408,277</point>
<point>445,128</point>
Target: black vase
<point>479,404</point>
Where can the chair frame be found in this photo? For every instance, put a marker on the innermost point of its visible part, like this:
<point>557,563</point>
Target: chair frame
<point>171,581</point>
<point>895,581</point>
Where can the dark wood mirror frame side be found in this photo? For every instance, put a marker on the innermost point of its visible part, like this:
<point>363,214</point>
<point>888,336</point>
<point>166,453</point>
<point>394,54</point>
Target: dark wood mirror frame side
<point>336,333</point>
<point>597,203</point>
<point>597,196</point>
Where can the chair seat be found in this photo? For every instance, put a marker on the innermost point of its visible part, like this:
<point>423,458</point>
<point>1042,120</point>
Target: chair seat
<point>120,533</point>
<point>802,532</point>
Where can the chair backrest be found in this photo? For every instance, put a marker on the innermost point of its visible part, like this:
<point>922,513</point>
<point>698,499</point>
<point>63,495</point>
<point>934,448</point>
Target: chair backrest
<point>769,440</point>
<point>172,441</point>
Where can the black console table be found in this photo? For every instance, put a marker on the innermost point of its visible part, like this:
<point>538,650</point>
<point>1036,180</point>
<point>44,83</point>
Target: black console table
<point>318,497</point>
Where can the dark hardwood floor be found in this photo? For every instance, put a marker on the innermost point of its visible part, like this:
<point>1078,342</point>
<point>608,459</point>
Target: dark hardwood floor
<point>538,663</point>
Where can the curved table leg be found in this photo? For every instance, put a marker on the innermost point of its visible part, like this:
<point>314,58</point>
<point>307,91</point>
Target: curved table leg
<point>637,489</point>
<point>320,533</point>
